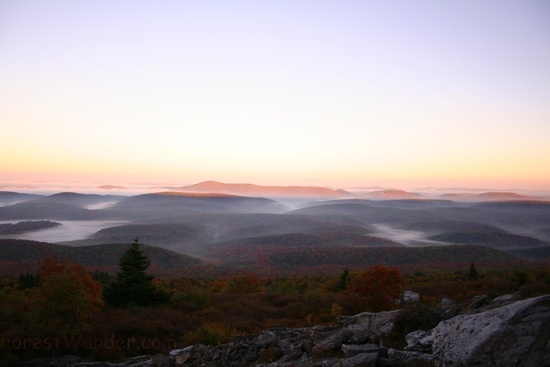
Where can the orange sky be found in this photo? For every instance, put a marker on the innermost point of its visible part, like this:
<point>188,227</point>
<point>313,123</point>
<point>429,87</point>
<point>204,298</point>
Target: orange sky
<point>333,94</point>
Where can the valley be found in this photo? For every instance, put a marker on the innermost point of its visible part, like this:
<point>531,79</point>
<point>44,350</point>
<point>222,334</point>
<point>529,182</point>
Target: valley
<point>269,230</point>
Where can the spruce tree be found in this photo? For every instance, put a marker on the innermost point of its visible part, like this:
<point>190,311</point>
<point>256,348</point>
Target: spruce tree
<point>132,286</point>
<point>472,273</point>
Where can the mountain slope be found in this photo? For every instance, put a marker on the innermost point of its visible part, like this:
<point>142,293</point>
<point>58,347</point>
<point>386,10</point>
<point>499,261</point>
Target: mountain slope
<point>10,197</point>
<point>264,191</point>
<point>148,206</point>
<point>19,256</point>
<point>486,196</point>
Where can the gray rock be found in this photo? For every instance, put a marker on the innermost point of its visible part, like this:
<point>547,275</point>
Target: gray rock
<point>326,346</point>
<point>360,360</point>
<point>420,341</point>
<point>513,335</point>
<point>351,350</point>
<point>505,299</point>
<point>479,302</point>
<point>181,355</point>
<point>160,360</point>
<point>401,358</point>
<point>368,325</point>
<point>411,297</point>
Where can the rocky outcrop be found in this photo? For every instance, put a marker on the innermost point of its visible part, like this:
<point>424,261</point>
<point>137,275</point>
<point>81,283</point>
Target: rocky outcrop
<point>516,334</point>
<point>513,335</point>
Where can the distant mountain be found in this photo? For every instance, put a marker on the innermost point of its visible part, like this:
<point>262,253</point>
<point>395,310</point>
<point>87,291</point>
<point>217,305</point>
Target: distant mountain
<point>9,197</point>
<point>486,196</point>
<point>88,201</point>
<point>111,187</point>
<point>391,195</point>
<point>19,256</point>
<point>22,227</point>
<point>500,241</point>
<point>264,191</point>
<point>36,210</point>
<point>179,203</point>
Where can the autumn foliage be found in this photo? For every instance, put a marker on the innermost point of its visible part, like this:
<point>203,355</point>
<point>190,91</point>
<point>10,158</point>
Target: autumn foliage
<point>65,301</point>
<point>377,288</point>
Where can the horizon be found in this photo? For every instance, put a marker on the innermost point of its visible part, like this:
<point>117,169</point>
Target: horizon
<point>45,187</point>
<point>407,95</point>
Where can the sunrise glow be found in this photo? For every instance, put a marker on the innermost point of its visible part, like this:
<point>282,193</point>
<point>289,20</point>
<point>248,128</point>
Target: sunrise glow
<point>348,93</point>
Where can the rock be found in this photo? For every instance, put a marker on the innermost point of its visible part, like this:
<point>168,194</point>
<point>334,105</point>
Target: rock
<point>160,360</point>
<point>479,302</point>
<point>326,346</point>
<point>419,341</point>
<point>504,300</point>
<point>411,297</point>
<point>181,355</point>
<point>360,360</point>
<point>513,335</point>
<point>368,325</point>
<point>401,358</point>
<point>138,361</point>
<point>351,350</point>
<point>67,360</point>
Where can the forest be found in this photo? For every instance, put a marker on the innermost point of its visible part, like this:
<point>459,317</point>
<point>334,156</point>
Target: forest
<point>63,309</point>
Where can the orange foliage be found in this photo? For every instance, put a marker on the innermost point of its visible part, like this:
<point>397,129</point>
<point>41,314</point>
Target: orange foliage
<point>65,301</point>
<point>378,288</point>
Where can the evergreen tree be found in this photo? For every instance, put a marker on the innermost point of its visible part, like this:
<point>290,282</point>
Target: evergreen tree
<point>132,285</point>
<point>343,281</point>
<point>472,273</point>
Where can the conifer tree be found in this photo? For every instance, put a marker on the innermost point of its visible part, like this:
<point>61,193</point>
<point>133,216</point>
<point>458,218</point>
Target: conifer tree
<point>132,285</point>
<point>472,273</point>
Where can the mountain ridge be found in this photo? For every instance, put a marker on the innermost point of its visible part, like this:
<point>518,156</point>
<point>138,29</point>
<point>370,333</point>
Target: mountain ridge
<point>247,189</point>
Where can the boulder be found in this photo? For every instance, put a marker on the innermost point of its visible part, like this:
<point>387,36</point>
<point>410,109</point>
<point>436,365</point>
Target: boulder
<point>351,350</point>
<point>360,360</point>
<point>420,341</point>
<point>411,297</point>
<point>400,358</point>
<point>513,335</point>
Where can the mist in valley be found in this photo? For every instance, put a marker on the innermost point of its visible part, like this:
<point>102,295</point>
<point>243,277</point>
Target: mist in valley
<point>405,236</point>
<point>67,231</point>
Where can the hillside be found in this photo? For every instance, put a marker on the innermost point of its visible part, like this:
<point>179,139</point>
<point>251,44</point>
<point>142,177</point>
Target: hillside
<point>148,206</point>
<point>298,255</point>
<point>36,210</point>
<point>87,201</point>
<point>501,241</point>
<point>20,256</point>
<point>9,197</point>
<point>486,196</point>
<point>391,195</point>
<point>245,189</point>
<point>22,227</point>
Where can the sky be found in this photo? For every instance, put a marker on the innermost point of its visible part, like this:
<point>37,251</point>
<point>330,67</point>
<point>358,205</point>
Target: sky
<point>343,93</point>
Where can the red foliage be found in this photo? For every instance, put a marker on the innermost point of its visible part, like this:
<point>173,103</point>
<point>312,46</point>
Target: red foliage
<point>377,289</point>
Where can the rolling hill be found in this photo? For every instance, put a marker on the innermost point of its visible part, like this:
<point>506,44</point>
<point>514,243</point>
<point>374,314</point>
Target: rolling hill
<point>391,195</point>
<point>9,197</point>
<point>244,189</point>
<point>486,196</point>
<point>171,203</point>
<point>36,210</point>
<point>87,201</point>
<point>256,234</point>
<point>20,256</point>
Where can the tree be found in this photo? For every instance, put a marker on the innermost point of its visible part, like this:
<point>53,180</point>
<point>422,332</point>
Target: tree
<point>65,301</point>
<point>343,281</point>
<point>472,273</point>
<point>132,285</point>
<point>378,288</point>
